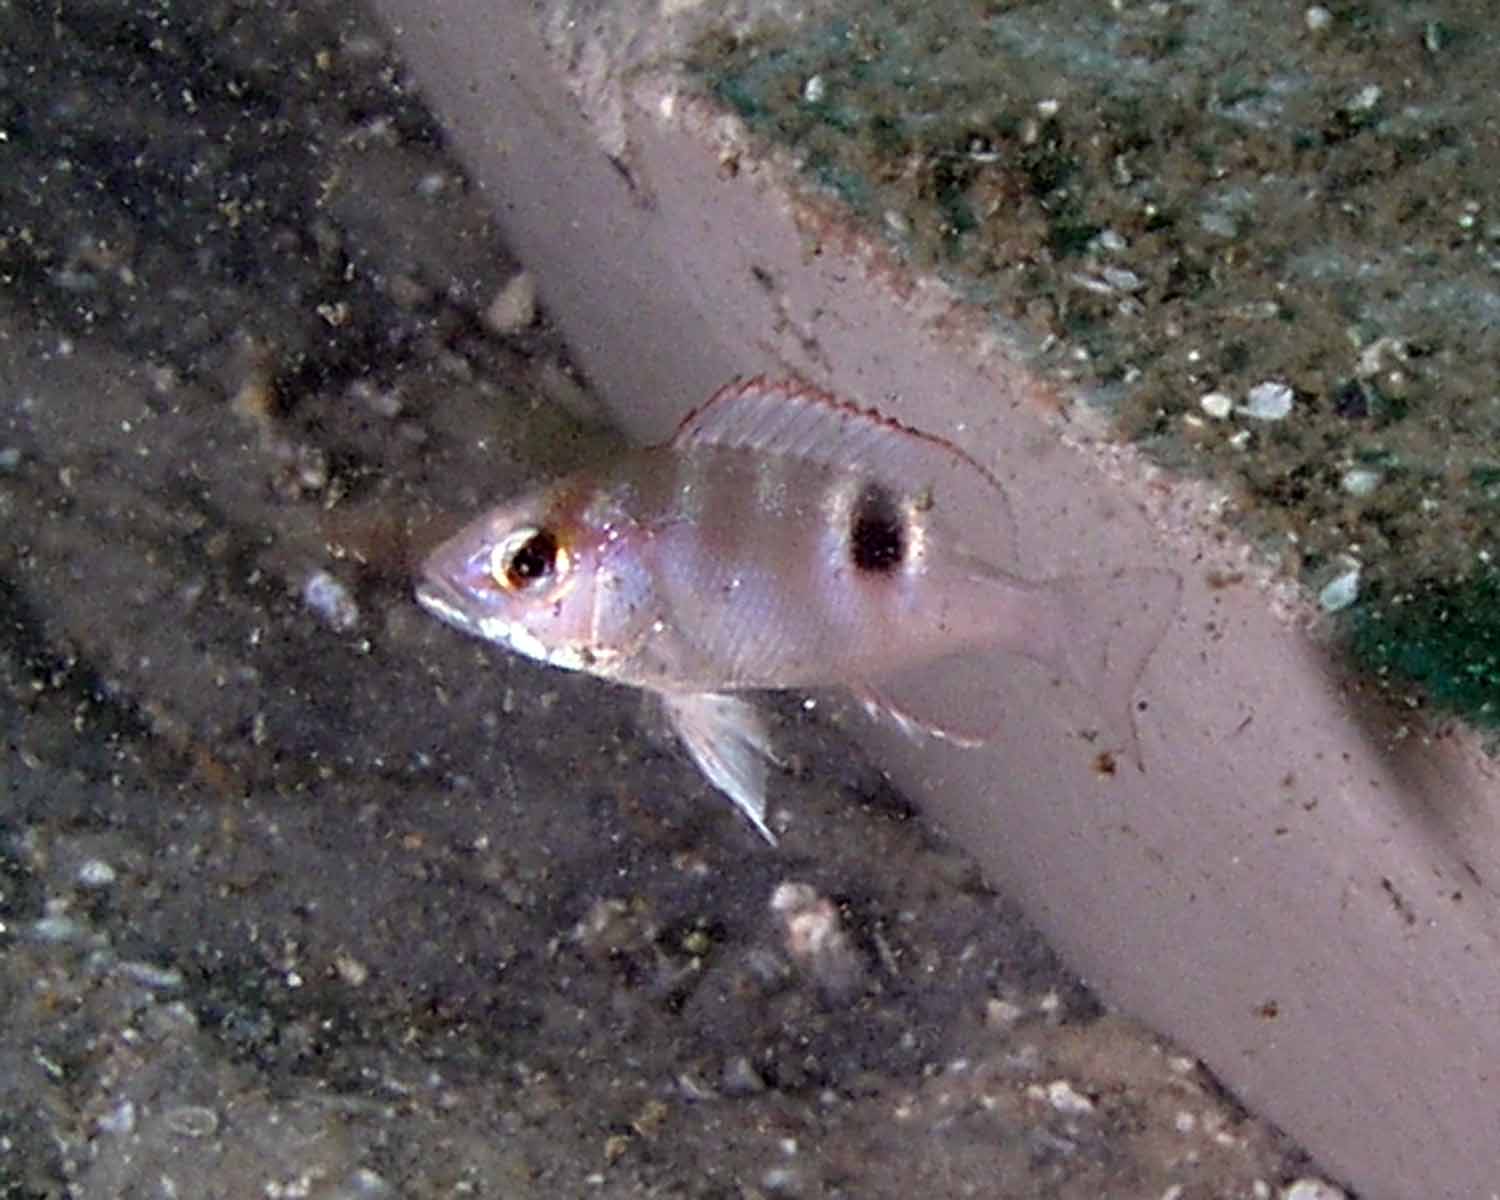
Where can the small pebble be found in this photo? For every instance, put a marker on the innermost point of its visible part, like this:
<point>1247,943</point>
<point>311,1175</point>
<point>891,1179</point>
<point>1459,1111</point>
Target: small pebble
<point>1122,280</point>
<point>96,873</point>
<point>1341,591</point>
<point>1268,401</point>
<point>1001,1013</point>
<point>192,1120</point>
<point>167,1021</point>
<point>1312,1189</point>
<point>514,309</point>
<point>1360,481</point>
<point>382,401</point>
<point>782,1181</point>
<point>1064,1097</point>
<point>57,928</point>
<point>740,1078</point>
<point>149,975</point>
<point>1220,224</point>
<point>1379,354</point>
<point>816,940</point>
<point>1317,18</point>
<point>434,184</point>
<point>1216,404</point>
<point>1365,99</point>
<point>363,1185</point>
<point>330,599</point>
<point>350,969</point>
<point>306,471</point>
<point>120,1119</point>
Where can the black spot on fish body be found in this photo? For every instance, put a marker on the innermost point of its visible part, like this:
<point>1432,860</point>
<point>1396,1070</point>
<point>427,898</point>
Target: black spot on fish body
<point>877,531</point>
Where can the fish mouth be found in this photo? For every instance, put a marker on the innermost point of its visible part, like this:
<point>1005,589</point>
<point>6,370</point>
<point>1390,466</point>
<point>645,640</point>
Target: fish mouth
<point>445,602</point>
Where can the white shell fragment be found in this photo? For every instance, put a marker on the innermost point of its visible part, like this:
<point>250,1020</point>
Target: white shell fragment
<point>1269,401</point>
<point>1111,240</point>
<point>1342,590</point>
<point>1216,405</point>
<point>327,596</point>
<point>1122,280</point>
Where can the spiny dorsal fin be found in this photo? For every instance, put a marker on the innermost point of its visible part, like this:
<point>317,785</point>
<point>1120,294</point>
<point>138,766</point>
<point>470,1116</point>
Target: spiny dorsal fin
<point>793,418</point>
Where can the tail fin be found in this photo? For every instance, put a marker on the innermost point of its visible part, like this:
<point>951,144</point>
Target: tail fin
<point>1094,631</point>
<point>1100,631</point>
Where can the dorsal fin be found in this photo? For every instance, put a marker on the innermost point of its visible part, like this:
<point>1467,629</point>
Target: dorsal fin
<point>788,417</point>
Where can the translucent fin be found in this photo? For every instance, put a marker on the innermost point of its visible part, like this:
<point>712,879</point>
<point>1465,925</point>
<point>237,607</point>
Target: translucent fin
<point>915,700</point>
<point>1105,629</point>
<point>793,419</point>
<point>1095,632</point>
<point>727,738</point>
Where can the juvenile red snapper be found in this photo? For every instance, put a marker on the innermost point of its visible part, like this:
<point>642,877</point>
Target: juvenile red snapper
<point>784,538</point>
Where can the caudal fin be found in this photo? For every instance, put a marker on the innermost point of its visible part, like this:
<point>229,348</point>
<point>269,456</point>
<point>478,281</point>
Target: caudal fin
<point>1101,630</point>
<point>1094,632</point>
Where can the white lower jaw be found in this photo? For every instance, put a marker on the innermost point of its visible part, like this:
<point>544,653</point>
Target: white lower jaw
<point>513,635</point>
<point>435,602</point>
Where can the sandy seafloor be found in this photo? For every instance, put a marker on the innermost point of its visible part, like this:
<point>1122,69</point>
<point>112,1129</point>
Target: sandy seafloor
<point>302,894</point>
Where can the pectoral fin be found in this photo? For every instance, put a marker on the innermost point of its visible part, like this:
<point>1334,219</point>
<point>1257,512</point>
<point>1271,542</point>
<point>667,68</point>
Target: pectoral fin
<point>727,738</point>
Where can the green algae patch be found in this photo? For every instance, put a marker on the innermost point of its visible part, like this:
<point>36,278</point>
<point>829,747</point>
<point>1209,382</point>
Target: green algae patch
<point>1444,640</point>
<point>924,134</point>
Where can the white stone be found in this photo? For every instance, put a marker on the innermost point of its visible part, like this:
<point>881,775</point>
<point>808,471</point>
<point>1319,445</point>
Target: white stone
<point>96,873</point>
<point>1342,590</point>
<point>514,309</point>
<point>1269,401</point>
<point>1216,404</point>
<point>1312,1189</point>
<point>327,596</point>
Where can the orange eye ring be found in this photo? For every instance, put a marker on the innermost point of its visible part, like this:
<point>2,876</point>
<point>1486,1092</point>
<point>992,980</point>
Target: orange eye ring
<point>529,558</point>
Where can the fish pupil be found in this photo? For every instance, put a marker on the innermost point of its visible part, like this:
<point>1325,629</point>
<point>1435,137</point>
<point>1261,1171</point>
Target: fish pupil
<point>534,559</point>
<point>877,533</point>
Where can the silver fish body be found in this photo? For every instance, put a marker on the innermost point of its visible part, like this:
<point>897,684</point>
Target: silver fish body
<point>786,539</point>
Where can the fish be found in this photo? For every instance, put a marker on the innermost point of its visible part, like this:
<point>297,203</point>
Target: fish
<point>786,538</point>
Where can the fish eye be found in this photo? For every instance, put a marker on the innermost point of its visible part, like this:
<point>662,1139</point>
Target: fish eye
<point>526,558</point>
